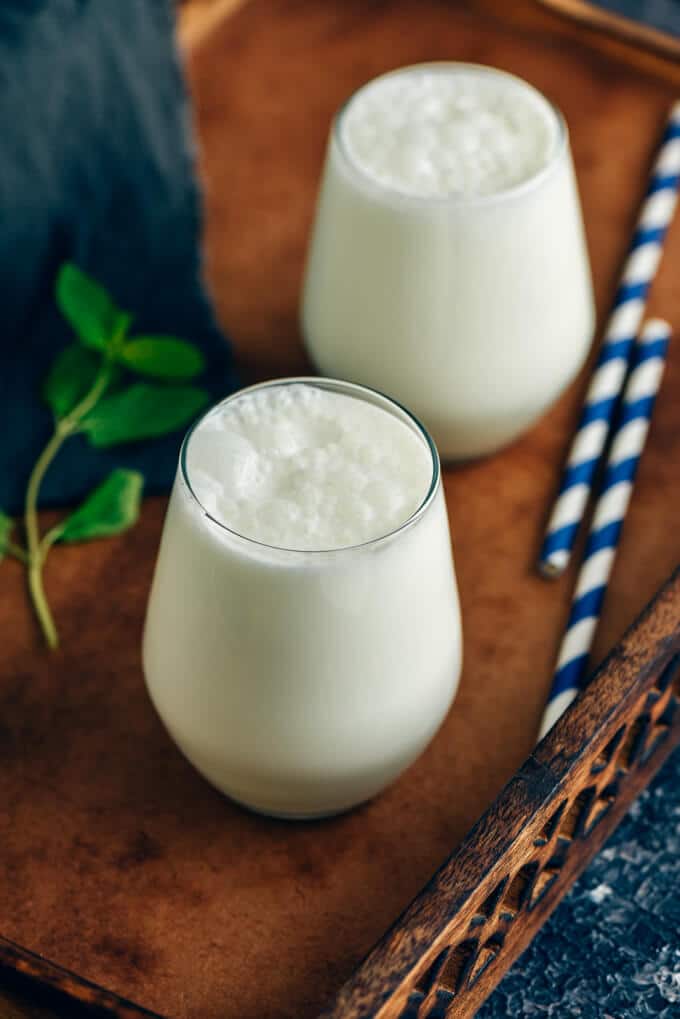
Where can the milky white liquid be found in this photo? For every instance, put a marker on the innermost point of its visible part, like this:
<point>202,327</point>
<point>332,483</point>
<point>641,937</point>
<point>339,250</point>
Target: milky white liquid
<point>447,265</point>
<point>302,642</point>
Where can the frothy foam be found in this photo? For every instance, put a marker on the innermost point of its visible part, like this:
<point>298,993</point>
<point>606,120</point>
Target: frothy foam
<point>444,131</point>
<point>301,467</point>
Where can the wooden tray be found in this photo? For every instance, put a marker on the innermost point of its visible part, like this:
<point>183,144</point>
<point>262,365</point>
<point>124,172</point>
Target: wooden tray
<point>117,862</point>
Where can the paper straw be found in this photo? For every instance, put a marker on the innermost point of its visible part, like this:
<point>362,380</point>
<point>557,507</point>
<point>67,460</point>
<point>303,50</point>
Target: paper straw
<point>610,510</point>
<point>610,371</point>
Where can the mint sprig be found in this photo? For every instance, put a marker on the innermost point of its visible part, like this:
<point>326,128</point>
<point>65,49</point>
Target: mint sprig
<point>88,309</point>
<point>142,411</point>
<point>6,528</point>
<point>162,357</point>
<point>89,391</point>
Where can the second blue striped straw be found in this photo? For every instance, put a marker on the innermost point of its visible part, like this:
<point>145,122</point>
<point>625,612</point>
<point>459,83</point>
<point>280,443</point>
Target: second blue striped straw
<point>612,364</point>
<point>605,530</point>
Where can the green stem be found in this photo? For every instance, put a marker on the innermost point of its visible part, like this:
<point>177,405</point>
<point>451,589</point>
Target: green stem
<point>16,550</point>
<point>36,551</point>
<point>48,539</point>
<point>35,559</point>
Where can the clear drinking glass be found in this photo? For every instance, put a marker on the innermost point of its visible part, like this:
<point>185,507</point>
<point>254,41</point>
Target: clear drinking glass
<point>302,683</point>
<point>473,310</point>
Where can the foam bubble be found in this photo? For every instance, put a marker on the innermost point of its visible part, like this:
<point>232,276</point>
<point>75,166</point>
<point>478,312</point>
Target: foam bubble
<point>449,130</point>
<point>298,466</point>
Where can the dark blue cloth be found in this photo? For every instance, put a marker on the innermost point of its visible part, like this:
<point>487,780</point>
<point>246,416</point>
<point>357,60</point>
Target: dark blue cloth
<point>96,166</point>
<point>611,949</point>
<point>661,14</point>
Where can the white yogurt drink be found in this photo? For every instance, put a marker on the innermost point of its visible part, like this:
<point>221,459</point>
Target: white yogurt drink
<point>302,641</point>
<point>447,264</point>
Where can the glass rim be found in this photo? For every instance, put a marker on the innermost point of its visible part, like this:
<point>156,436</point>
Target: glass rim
<point>356,390</point>
<point>455,200</point>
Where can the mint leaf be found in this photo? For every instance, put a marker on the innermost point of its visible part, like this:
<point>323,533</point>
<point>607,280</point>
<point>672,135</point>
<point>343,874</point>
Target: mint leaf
<point>71,375</point>
<point>110,509</point>
<point>87,307</point>
<point>142,411</point>
<point>6,526</point>
<point>163,357</point>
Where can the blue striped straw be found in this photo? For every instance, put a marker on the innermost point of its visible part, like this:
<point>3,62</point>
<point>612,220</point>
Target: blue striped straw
<point>612,364</point>
<point>632,426</point>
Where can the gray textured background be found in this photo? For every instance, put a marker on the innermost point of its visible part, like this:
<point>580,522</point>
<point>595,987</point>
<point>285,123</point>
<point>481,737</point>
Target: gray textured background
<point>611,950</point>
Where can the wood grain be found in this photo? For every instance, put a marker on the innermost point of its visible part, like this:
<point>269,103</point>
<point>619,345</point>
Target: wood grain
<point>117,861</point>
<point>198,19</point>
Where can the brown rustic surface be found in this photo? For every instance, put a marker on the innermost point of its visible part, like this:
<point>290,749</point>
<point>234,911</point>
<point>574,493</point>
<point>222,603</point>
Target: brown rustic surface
<point>116,860</point>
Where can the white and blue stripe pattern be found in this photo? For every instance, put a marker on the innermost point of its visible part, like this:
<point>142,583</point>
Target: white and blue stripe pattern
<point>605,530</point>
<point>612,364</point>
